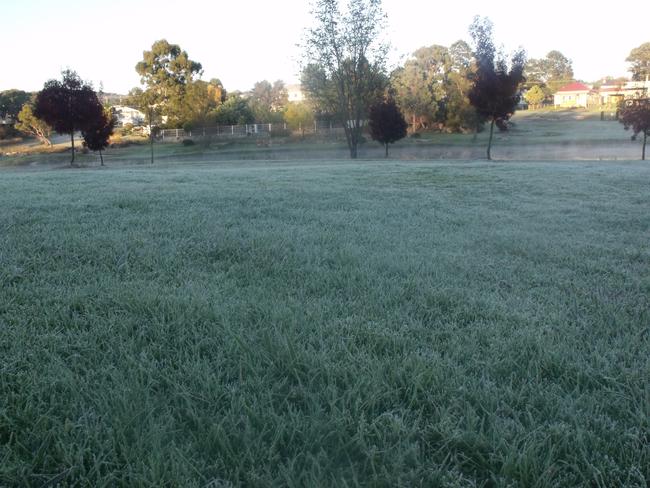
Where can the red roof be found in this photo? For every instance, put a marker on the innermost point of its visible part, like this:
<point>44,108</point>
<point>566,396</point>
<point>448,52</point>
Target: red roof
<point>575,87</point>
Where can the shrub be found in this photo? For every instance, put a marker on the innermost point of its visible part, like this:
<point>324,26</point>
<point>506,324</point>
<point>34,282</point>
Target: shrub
<point>127,129</point>
<point>188,142</point>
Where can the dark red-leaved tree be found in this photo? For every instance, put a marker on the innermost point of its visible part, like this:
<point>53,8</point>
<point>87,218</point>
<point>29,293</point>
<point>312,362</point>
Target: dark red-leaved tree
<point>635,115</point>
<point>495,89</point>
<point>68,106</point>
<point>387,124</point>
<point>98,133</point>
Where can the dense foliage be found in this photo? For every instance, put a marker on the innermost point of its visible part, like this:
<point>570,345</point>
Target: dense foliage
<point>68,105</point>
<point>495,89</point>
<point>166,71</point>
<point>31,125</point>
<point>549,73</point>
<point>11,103</point>
<point>345,53</point>
<point>635,115</point>
<point>387,124</point>
<point>639,59</point>
<point>433,85</point>
<point>97,134</point>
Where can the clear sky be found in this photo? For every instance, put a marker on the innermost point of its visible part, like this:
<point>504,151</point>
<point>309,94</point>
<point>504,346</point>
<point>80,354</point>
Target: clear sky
<point>242,42</point>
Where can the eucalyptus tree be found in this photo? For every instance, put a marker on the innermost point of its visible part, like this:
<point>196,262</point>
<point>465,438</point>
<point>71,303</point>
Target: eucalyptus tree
<point>28,123</point>
<point>346,56</point>
<point>165,72</point>
<point>639,59</point>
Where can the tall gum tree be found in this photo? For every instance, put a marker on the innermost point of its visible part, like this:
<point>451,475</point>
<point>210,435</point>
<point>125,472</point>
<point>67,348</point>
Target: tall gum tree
<point>346,56</point>
<point>165,72</point>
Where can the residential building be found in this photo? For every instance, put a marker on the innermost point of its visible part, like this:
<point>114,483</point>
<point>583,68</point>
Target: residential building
<point>579,95</point>
<point>575,95</point>
<point>128,115</point>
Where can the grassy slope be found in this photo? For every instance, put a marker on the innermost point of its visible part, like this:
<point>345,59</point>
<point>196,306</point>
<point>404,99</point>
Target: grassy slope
<point>380,324</point>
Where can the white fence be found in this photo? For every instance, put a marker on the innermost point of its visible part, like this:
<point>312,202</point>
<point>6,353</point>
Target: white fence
<point>249,130</point>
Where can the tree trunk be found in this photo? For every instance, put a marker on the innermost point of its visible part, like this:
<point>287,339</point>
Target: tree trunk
<point>72,140</point>
<point>489,148</point>
<point>151,138</point>
<point>353,149</point>
<point>352,139</point>
<point>386,156</point>
<point>101,158</point>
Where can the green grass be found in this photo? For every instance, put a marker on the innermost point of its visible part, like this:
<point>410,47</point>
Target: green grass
<point>368,324</point>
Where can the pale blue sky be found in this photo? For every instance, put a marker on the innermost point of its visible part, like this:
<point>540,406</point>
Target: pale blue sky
<point>247,41</point>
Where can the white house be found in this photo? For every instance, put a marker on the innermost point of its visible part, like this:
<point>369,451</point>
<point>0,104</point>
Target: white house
<point>612,94</point>
<point>575,95</point>
<point>128,115</point>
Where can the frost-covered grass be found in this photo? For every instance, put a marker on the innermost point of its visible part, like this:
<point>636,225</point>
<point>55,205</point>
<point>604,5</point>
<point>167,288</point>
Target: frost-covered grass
<point>375,324</point>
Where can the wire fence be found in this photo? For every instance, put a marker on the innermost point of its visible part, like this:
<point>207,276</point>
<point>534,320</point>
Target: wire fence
<point>327,129</point>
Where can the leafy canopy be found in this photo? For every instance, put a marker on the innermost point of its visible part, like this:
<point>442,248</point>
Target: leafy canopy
<point>30,124</point>
<point>166,71</point>
<point>345,53</point>
<point>68,105</point>
<point>640,62</point>
<point>495,89</point>
<point>635,115</point>
<point>387,124</point>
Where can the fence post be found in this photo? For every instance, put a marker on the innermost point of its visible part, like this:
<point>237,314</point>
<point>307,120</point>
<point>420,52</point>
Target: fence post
<point>315,127</point>
<point>176,133</point>
<point>232,128</point>
<point>270,128</point>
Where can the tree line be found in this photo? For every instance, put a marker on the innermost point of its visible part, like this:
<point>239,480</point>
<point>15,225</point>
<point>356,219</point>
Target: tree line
<point>456,88</point>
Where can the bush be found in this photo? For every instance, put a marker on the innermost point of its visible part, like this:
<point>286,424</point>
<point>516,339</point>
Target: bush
<point>188,142</point>
<point>416,135</point>
<point>127,129</point>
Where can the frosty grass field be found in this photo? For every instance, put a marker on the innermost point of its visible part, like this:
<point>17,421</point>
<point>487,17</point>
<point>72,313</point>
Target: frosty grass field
<point>326,324</point>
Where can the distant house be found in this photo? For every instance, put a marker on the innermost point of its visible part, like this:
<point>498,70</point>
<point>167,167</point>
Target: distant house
<point>295,93</point>
<point>613,94</point>
<point>575,95</point>
<point>7,120</point>
<point>128,115</point>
